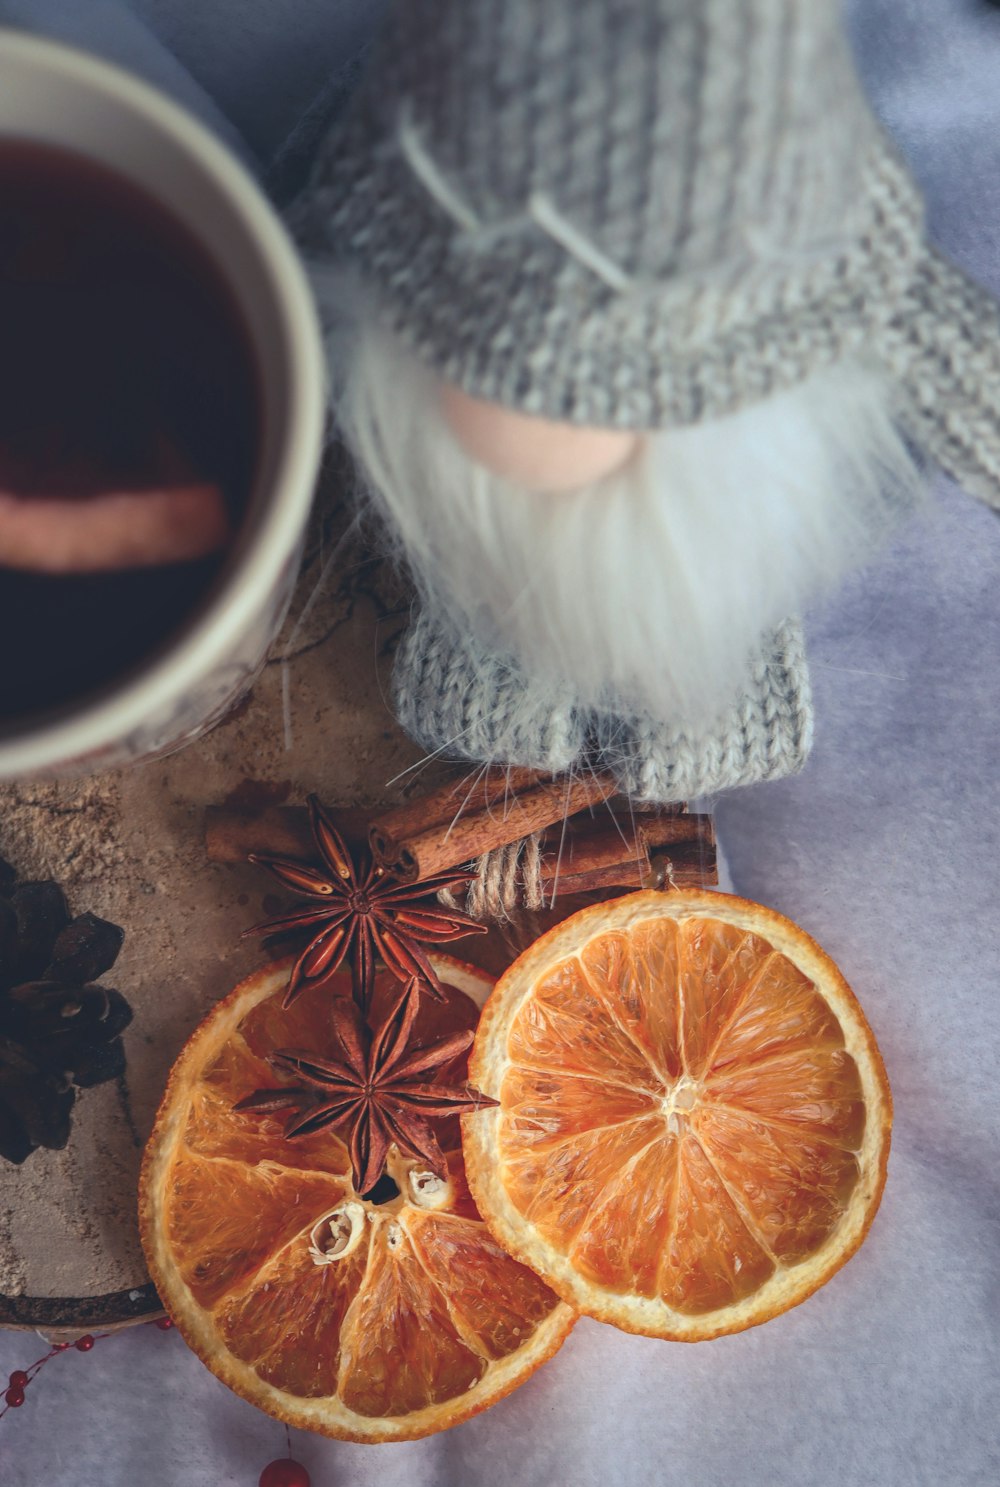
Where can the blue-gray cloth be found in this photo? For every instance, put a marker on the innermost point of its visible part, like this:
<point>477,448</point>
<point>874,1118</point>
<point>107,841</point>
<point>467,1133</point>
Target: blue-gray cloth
<point>885,848</point>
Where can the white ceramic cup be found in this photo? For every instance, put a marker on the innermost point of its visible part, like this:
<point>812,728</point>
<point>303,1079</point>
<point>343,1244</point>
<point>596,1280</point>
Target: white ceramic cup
<point>56,95</point>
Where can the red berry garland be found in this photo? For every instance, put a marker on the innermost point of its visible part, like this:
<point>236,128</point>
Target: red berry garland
<point>283,1473</point>
<point>22,1377</point>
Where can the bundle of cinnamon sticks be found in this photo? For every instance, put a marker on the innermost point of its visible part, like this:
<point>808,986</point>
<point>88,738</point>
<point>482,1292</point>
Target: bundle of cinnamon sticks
<point>588,841</point>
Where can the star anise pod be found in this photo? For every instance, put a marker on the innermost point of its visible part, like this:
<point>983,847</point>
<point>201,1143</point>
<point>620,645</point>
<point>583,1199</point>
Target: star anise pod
<point>358,909</point>
<point>377,1090</point>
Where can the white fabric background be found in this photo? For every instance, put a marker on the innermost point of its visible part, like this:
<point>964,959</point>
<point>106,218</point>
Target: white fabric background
<point>886,849</point>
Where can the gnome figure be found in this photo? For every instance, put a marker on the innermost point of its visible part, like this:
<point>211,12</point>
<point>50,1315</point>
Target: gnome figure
<point>637,342</point>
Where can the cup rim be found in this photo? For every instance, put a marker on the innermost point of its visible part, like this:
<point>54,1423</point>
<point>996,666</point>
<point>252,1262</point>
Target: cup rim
<point>100,723</point>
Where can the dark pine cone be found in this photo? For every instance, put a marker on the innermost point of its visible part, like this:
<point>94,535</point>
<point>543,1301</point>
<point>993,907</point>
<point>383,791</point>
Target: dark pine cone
<point>58,1031</point>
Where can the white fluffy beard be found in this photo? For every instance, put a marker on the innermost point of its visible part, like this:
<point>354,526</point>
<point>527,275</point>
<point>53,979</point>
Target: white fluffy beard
<point>649,591</point>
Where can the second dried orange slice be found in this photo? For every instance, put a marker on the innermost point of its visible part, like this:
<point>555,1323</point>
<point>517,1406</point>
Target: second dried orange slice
<point>694,1117</point>
<point>372,1317</point>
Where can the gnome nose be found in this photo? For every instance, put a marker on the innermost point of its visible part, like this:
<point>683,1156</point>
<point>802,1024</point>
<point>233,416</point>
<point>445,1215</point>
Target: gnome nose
<point>537,454</point>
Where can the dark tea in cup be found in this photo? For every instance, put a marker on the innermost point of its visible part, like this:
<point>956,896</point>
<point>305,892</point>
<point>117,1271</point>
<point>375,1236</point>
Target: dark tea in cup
<point>162,417</point>
<point>130,418</point>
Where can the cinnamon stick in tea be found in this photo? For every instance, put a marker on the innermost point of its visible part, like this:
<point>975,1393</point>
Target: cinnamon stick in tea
<point>106,532</point>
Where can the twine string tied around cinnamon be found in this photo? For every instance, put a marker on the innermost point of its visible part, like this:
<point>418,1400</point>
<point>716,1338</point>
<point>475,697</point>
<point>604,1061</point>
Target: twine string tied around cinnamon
<point>506,878</point>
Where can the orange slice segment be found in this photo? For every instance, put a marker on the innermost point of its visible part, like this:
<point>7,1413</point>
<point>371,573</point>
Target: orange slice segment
<point>364,1320</point>
<point>694,1117</point>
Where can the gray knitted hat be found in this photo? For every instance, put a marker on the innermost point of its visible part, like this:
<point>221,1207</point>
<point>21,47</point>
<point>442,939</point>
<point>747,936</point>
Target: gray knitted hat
<point>641,214</point>
<point>644,212</point>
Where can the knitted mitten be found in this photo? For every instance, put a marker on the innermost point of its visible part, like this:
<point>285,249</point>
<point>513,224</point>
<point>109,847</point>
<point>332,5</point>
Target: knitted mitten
<point>765,734</point>
<point>462,703</point>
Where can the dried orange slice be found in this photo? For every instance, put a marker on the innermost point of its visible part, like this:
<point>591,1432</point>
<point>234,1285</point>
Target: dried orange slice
<point>365,1321</point>
<point>694,1116</point>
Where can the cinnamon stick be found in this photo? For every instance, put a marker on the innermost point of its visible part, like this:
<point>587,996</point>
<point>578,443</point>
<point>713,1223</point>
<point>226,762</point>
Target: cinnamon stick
<point>469,791</point>
<point>584,848</point>
<point>493,815</point>
<point>584,864</point>
<point>615,852</point>
<point>278,831</point>
<point>684,868</point>
<point>648,849</point>
<point>660,828</point>
<point>686,865</point>
<point>493,796</point>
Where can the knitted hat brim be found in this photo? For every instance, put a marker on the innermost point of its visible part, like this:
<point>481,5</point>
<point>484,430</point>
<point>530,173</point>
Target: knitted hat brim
<point>942,349</point>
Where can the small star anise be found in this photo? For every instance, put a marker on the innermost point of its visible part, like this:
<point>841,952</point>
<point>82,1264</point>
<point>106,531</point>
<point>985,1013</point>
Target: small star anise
<point>361,910</point>
<point>377,1091</point>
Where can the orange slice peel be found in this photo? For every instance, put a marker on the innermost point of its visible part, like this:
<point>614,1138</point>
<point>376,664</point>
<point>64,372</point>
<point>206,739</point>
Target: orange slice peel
<point>694,1117</point>
<point>362,1320</point>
